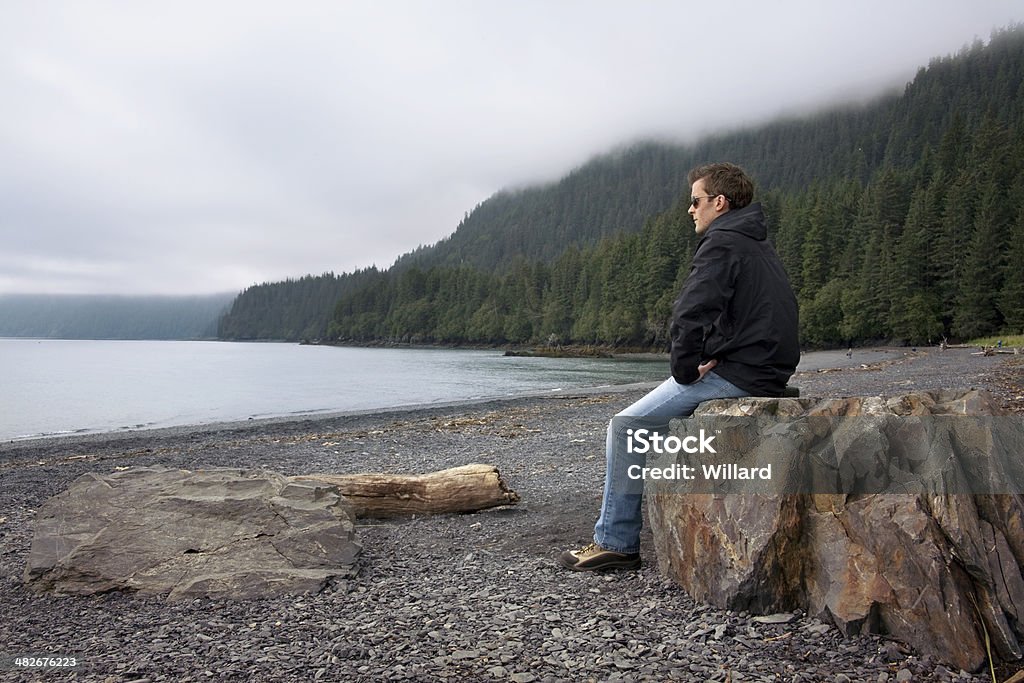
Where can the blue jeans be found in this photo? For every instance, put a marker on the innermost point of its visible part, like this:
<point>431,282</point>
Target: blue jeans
<point>618,527</point>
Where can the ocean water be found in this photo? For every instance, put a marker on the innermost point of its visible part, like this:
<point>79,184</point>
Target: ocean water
<point>56,387</point>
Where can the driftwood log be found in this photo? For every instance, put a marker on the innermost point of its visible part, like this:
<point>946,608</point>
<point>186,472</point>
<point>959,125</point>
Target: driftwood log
<point>460,489</point>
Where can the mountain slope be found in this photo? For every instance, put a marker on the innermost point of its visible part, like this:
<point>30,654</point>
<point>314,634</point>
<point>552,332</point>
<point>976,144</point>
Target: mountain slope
<point>555,261</point>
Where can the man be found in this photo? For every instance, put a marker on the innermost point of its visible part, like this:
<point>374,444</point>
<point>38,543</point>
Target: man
<point>733,334</point>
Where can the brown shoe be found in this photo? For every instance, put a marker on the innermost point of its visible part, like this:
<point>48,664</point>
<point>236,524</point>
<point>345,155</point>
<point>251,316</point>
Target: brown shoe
<point>594,558</point>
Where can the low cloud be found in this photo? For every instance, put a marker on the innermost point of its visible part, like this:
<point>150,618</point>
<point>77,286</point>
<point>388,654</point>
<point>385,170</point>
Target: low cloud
<point>198,147</point>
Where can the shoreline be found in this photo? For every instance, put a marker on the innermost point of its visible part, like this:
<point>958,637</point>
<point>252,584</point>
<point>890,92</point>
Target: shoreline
<point>314,417</point>
<point>810,361</point>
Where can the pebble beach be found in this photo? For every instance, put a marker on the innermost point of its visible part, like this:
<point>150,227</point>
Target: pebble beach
<point>472,597</point>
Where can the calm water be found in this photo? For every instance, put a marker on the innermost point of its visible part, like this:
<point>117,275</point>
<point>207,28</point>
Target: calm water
<point>51,387</point>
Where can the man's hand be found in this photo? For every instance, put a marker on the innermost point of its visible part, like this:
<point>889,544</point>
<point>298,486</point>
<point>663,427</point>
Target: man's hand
<point>705,368</point>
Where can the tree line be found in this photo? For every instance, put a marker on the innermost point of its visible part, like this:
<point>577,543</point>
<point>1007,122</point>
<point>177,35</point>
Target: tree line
<point>902,219</point>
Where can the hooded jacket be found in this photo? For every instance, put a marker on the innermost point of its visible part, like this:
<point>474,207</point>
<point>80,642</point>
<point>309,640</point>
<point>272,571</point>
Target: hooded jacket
<point>737,307</point>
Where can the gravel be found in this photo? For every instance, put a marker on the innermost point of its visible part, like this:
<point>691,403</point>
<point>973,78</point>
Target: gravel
<point>474,597</point>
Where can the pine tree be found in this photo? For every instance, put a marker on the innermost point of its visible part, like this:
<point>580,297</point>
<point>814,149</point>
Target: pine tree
<point>977,313</point>
<point>915,310</point>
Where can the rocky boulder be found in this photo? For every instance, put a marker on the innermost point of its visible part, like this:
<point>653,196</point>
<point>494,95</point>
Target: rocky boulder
<point>938,566</point>
<point>218,532</point>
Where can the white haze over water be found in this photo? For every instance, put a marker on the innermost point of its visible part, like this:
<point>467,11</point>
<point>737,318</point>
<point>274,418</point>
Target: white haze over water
<point>195,147</point>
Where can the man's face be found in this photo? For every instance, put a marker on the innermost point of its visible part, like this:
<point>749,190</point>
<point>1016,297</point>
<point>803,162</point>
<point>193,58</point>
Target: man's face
<point>707,208</point>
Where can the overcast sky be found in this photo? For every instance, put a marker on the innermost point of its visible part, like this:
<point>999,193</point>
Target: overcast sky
<point>193,147</point>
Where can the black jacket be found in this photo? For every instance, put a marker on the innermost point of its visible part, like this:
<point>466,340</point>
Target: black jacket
<point>737,307</point>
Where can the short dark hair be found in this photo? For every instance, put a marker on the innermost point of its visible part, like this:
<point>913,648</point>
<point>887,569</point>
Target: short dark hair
<point>725,179</point>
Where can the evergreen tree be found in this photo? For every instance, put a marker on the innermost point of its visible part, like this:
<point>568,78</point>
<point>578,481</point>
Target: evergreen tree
<point>915,309</point>
<point>977,312</point>
<point>1011,297</point>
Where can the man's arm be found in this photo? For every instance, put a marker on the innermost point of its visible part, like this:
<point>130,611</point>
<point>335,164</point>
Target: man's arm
<point>705,295</point>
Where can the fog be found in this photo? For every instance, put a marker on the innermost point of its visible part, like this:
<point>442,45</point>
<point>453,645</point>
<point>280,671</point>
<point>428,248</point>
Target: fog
<point>195,147</point>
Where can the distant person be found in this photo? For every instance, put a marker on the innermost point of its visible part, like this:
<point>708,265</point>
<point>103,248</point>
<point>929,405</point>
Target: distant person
<point>733,334</point>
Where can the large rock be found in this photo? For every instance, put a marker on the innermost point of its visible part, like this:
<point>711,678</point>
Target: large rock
<point>938,567</point>
<point>218,532</point>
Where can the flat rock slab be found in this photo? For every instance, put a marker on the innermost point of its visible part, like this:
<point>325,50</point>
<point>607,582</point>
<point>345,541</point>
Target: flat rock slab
<point>224,533</point>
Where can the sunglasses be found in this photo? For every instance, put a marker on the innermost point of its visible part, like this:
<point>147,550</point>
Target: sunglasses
<point>695,201</point>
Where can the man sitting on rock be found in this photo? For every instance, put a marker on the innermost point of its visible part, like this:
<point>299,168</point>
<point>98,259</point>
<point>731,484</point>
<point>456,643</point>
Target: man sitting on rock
<point>733,334</point>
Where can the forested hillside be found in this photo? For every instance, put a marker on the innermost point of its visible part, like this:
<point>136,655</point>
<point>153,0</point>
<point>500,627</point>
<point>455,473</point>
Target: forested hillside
<point>617,193</point>
<point>902,219</point>
<point>111,317</point>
